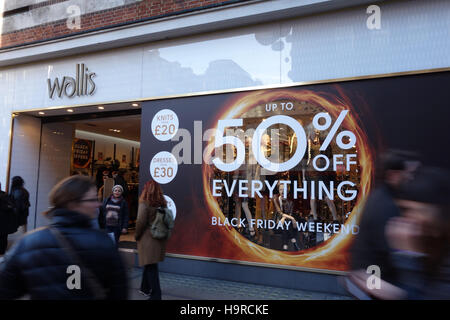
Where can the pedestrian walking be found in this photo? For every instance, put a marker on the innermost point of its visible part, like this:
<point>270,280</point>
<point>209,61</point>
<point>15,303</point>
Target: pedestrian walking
<point>68,259</point>
<point>8,220</point>
<point>21,199</point>
<point>151,251</point>
<point>370,247</point>
<point>418,241</point>
<point>114,213</point>
<point>419,238</point>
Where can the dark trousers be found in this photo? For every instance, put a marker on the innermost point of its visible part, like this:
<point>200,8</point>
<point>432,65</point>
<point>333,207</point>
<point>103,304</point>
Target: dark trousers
<point>150,281</point>
<point>117,232</point>
<point>3,243</point>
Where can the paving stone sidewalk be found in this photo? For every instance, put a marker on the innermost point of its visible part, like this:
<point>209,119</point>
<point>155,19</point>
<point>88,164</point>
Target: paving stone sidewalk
<point>184,287</point>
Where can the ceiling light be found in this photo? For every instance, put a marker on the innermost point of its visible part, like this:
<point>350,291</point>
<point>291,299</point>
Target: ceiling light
<point>69,110</point>
<point>135,104</point>
<point>40,112</point>
<point>101,108</point>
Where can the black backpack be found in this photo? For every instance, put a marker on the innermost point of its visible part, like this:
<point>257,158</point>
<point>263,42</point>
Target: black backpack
<point>9,218</point>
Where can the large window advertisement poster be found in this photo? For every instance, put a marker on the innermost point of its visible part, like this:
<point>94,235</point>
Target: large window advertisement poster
<point>279,176</point>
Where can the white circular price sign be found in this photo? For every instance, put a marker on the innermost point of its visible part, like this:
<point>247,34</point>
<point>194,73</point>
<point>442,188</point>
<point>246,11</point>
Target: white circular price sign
<point>165,125</point>
<point>163,167</point>
<point>171,205</point>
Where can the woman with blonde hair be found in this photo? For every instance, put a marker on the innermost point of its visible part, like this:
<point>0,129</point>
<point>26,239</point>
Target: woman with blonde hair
<point>151,250</point>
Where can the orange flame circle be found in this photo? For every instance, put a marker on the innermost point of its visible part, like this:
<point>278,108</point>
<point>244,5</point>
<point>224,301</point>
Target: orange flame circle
<point>333,253</point>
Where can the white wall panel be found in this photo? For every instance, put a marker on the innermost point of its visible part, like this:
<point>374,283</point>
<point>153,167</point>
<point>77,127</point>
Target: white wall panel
<point>216,61</point>
<point>7,80</point>
<point>25,156</point>
<point>414,35</point>
<point>56,146</point>
<point>118,76</point>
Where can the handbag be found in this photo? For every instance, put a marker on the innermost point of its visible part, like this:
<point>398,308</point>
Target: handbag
<point>92,281</point>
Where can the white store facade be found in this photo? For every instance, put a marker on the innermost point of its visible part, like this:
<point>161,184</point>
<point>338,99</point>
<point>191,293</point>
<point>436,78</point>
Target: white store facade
<point>253,44</point>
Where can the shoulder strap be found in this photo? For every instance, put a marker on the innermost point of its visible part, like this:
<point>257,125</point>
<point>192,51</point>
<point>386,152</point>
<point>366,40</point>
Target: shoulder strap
<point>97,288</point>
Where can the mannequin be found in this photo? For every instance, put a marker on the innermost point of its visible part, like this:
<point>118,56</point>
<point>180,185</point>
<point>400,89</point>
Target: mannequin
<point>314,143</point>
<point>248,172</point>
<point>285,209</point>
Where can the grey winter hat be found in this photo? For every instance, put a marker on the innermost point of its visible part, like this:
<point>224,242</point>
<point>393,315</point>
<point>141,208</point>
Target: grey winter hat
<point>118,186</point>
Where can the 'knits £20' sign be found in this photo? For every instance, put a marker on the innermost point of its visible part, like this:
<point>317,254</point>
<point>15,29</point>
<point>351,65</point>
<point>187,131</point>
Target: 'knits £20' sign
<point>81,85</point>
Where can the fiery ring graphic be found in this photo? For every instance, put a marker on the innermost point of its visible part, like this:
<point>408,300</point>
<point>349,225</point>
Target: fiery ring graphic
<point>331,254</point>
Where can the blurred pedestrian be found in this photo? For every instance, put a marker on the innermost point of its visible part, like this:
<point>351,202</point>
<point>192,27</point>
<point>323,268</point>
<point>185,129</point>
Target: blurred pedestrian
<point>420,238</point>
<point>114,213</point>
<point>21,199</point>
<point>44,263</point>
<point>370,247</point>
<point>6,218</point>
<point>150,250</point>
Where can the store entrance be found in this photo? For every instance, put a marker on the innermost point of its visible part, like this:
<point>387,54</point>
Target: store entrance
<point>108,149</point>
<point>100,141</point>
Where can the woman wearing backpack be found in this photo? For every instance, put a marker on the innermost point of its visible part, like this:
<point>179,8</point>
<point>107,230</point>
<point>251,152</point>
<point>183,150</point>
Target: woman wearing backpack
<point>150,250</point>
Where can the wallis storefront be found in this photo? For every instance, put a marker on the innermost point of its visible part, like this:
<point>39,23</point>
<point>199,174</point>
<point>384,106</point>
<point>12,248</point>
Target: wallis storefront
<point>266,159</point>
<point>276,177</point>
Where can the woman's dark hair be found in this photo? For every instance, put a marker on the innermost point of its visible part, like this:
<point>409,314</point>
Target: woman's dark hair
<point>69,190</point>
<point>17,182</point>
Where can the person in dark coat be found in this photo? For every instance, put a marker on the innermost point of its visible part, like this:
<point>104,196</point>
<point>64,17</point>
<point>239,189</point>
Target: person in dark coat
<point>150,250</point>
<point>420,237</point>
<point>21,199</point>
<point>419,242</point>
<point>114,213</point>
<point>370,246</point>
<point>4,221</point>
<point>8,220</point>
<point>40,263</point>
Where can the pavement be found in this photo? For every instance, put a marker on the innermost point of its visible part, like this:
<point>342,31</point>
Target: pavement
<point>186,287</point>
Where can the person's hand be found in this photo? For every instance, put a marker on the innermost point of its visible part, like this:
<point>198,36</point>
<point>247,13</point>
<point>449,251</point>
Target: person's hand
<point>405,234</point>
<point>287,216</point>
<point>124,231</point>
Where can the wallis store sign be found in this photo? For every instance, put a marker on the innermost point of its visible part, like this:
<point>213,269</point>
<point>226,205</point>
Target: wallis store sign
<point>82,85</point>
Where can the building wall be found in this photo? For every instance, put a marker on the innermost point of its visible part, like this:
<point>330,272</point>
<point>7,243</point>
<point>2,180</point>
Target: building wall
<point>209,50</point>
<point>28,21</point>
